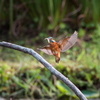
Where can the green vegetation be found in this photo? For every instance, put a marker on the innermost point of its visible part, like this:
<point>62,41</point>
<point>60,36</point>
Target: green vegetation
<point>27,23</point>
<point>22,76</point>
<point>54,17</point>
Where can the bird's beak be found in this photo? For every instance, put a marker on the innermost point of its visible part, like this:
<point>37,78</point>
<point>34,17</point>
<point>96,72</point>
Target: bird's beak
<point>47,39</point>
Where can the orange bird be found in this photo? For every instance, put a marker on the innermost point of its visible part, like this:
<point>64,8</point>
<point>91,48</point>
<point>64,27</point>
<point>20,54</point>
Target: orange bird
<point>54,48</point>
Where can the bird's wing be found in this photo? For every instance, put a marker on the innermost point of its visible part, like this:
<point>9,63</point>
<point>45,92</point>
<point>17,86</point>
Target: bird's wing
<point>67,42</point>
<point>46,49</point>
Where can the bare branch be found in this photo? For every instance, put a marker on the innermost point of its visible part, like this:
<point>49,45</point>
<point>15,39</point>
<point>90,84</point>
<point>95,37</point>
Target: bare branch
<point>47,65</point>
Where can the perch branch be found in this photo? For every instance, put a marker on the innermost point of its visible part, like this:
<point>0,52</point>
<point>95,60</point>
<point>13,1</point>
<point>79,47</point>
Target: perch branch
<point>47,65</point>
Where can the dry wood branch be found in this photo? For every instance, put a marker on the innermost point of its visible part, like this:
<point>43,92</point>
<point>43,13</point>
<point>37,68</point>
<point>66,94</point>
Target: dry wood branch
<point>47,65</point>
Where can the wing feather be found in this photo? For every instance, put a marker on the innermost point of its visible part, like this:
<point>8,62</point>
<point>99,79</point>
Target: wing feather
<point>68,42</point>
<point>46,49</point>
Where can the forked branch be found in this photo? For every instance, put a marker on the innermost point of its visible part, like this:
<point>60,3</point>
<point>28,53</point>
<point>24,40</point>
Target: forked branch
<point>47,65</point>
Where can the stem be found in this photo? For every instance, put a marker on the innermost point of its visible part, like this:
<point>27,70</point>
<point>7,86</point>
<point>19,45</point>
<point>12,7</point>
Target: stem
<point>11,15</point>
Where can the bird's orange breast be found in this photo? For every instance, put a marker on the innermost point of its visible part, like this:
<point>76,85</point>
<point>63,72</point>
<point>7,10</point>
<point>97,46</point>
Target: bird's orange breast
<point>54,48</point>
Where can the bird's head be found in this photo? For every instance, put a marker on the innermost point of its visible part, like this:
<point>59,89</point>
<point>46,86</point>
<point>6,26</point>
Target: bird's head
<point>50,40</point>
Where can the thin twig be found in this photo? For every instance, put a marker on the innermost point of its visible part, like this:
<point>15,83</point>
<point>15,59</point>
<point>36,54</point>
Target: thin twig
<point>74,12</point>
<point>47,65</point>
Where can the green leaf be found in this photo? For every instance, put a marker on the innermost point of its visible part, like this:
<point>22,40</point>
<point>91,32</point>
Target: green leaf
<point>90,93</point>
<point>62,25</point>
<point>50,27</point>
<point>64,89</point>
<point>81,55</point>
<point>81,32</point>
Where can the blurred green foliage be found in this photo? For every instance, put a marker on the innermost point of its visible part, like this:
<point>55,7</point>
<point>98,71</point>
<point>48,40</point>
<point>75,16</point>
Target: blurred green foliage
<point>28,78</point>
<point>43,18</point>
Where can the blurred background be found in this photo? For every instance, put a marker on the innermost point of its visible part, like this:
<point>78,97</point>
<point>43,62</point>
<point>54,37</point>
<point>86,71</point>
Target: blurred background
<point>27,23</point>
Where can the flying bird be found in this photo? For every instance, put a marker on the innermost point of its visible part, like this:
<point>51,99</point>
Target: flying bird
<point>54,48</point>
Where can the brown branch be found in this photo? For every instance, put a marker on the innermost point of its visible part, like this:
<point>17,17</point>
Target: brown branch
<point>47,65</point>
<point>74,12</point>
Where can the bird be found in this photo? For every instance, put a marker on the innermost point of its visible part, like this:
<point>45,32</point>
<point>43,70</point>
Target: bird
<point>55,48</point>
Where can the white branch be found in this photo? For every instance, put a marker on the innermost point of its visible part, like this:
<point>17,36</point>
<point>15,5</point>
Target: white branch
<point>47,65</point>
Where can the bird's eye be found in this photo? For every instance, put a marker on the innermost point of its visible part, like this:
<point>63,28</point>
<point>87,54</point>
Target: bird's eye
<point>51,41</point>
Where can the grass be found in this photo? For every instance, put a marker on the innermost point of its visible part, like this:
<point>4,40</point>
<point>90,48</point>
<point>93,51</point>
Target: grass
<point>22,76</point>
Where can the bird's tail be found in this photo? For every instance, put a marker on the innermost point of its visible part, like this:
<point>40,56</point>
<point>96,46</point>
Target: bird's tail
<point>57,59</point>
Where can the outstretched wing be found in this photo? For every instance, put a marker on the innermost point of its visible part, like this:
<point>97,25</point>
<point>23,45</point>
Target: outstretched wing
<point>46,49</point>
<point>67,42</point>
